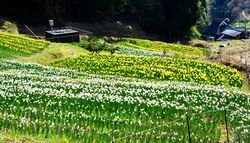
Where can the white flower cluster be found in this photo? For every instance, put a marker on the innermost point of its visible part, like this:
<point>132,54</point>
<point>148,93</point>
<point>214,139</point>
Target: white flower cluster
<point>140,52</point>
<point>48,101</point>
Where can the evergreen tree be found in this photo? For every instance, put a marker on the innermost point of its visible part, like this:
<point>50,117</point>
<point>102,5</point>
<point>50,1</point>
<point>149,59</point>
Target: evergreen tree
<point>171,18</point>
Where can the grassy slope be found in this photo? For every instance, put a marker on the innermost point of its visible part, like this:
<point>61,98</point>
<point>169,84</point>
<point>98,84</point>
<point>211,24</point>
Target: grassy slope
<point>54,52</point>
<point>13,46</point>
<point>246,86</point>
<point>157,46</point>
<point>45,57</point>
<point>21,43</point>
<point>63,82</point>
<point>8,54</point>
<point>242,24</point>
<point>234,49</point>
<point>58,51</point>
<point>232,52</point>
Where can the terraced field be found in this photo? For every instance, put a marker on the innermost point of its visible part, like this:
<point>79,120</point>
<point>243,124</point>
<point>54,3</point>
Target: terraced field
<point>21,44</point>
<point>42,100</point>
<point>116,98</point>
<point>157,46</point>
<point>168,69</point>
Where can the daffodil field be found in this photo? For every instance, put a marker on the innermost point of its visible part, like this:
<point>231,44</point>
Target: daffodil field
<point>143,92</point>
<point>141,52</point>
<point>169,69</point>
<point>90,108</point>
<point>21,44</point>
<point>158,46</point>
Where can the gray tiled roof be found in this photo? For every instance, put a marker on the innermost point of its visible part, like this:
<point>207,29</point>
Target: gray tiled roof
<point>231,32</point>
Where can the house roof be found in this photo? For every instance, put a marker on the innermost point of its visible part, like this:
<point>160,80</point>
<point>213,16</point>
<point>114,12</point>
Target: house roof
<point>231,32</point>
<point>216,28</point>
<point>240,29</point>
<point>224,37</point>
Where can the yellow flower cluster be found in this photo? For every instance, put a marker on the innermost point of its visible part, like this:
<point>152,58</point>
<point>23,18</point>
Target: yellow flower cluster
<point>91,108</point>
<point>21,43</point>
<point>170,69</point>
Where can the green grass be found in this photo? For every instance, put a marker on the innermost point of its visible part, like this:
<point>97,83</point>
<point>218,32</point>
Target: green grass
<point>8,54</point>
<point>54,52</point>
<point>25,49</point>
<point>107,108</point>
<point>38,51</point>
<point>8,136</point>
<point>233,43</point>
<point>246,86</point>
<point>232,52</point>
<point>242,24</point>
<point>178,49</point>
<point>75,57</point>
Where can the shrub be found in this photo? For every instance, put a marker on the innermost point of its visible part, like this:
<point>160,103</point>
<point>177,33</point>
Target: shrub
<point>96,46</point>
<point>195,33</point>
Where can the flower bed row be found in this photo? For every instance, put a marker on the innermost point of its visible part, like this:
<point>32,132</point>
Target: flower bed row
<point>22,44</point>
<point>53,102</point>
<point>166,69</point>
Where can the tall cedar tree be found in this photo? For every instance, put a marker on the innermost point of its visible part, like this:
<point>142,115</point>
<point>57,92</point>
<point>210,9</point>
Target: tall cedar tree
<point>170,18</point>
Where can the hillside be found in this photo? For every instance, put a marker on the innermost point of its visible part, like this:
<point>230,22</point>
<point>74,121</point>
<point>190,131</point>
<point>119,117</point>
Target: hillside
<point>99,106</point>
<point>153,16</point>
<point>120,90</point>
<point>232,9</point>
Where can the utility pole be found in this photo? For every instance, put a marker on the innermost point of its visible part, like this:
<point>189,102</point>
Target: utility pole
<point>51,23</point>
<point>246,24</point>
<point>246,33</point>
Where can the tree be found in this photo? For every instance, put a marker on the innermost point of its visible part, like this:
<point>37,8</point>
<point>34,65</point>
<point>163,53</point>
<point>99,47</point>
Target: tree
<point>229,9</point>
<point>172,19</point>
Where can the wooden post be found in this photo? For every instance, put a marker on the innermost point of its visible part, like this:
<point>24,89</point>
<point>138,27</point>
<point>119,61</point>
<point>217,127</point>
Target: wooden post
<point>248,76</point>
<point>31,31</point>
<point>225,113</point>
<point>242,59</point>
<point>246,64</point>
<point>188,127</point>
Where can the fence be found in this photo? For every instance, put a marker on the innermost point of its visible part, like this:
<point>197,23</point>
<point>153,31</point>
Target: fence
<point>191,132</point>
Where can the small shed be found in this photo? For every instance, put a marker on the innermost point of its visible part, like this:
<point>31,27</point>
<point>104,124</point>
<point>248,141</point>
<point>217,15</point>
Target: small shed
<point>216,28</point>
<point>234,33</point>
<point>63,36</point>
<point>221,30</point>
